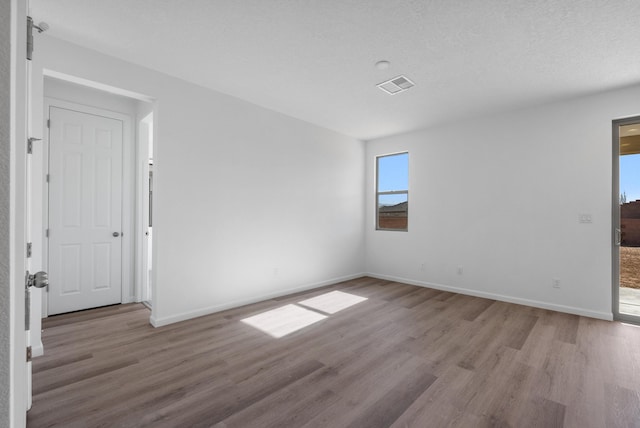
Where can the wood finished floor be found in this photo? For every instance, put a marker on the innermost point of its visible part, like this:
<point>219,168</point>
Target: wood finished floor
<point>405,357</point>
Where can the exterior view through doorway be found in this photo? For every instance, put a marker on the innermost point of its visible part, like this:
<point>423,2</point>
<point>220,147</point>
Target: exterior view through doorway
<point>626,219</point>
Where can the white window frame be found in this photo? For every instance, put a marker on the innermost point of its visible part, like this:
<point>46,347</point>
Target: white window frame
<point>389,192</point>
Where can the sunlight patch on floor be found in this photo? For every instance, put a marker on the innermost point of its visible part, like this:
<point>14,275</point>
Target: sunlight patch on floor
<point>332,302</point>
<point>284,320</point>
<point>287,319</point>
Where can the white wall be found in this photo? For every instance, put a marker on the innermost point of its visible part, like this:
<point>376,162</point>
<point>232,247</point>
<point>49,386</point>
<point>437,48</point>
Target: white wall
<point>249,203</point>
<point>500,196</point>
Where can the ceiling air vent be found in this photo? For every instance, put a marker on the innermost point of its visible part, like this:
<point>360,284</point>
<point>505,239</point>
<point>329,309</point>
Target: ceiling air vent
<point>396,85</point>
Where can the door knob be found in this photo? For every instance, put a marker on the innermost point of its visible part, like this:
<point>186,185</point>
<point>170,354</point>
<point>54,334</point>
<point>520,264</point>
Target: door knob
<point>116,234</point>
<point>37,280</point>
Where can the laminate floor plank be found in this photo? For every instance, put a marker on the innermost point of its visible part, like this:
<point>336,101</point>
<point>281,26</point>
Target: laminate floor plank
<point>386,410</point>
<point>360,394</point>
<point>145,394</point>
<point>623,406</point>
<point>208,409</point>
<point>320,384</point>
<point>416,297</point>
<point>475,308</point>
<point>567,327</point>
<point>482,345</point>
<point>84,369</point>
<point>518,330</point>
<point>405,356</point>
<point>586,404</point>
<point>395,291</point>
<point>536,347</point>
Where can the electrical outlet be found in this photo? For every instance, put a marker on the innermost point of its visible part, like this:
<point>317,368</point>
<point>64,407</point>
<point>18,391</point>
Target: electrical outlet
<point>460,270</point>
<point>556,282</point>
<point>422,267</point>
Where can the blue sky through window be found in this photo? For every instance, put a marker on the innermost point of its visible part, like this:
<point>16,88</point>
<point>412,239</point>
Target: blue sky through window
<point>393,174</point>
<point>630,176</point>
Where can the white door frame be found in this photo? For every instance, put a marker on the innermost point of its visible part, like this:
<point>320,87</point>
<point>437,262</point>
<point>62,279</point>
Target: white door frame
<point>145,137</point>
<point>17,215</point>
<point>128,151</point>
<point>616,232</point>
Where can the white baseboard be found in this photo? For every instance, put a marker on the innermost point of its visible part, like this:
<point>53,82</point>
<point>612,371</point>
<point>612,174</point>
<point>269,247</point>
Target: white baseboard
<point>608,316</point>
<point>130,299</point>
<point>37,349</point>
<point>159,322</point>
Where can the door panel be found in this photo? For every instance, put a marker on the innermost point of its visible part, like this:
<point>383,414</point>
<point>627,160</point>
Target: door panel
<point>70,262</point>
<point>85,203</point>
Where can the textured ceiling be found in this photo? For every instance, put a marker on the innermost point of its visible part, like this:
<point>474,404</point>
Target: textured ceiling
<point>314,60</point>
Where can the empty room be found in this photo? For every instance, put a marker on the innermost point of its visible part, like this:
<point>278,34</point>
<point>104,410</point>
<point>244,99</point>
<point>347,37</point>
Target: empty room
<point>268,213</point>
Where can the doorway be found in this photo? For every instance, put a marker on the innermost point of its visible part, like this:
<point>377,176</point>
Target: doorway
<point>626,219</point>
<point>63,92</point>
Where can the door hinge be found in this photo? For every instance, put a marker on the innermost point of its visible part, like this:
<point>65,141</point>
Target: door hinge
<point>46,233</point>
<point>30,144</point>
<point>29,38</point>
<point>30,26</point>
<point>47,178</point>
<point>48,123</point>
<point>29,247</point>
<point>29,354</point>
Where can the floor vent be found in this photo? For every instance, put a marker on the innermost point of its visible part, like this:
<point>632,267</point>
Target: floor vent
<point>396,85</point>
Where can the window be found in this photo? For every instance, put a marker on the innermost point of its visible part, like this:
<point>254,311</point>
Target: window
<point>392,191</point>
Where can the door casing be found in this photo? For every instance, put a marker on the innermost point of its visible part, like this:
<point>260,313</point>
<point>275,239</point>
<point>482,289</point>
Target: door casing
<point>17,152</point>
<point>145,139</point>
<point>128,291</point>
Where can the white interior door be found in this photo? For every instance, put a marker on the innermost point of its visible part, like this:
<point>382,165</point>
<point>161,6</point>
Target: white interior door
<point>85,210</point>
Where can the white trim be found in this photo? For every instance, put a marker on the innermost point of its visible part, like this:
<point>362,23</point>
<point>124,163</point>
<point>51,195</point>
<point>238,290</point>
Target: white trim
<point>509,299</point>
<point>128,183</point>
<point>35,325</point>
<point>37,350</point>
<point>96,85</point>
<point>154,241</point>
<point>18,400</point>
<point>144,137</point>
<point>159,322</point>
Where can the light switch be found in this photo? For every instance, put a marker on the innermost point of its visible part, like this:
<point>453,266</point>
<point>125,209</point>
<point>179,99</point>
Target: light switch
<point>584,218</point>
